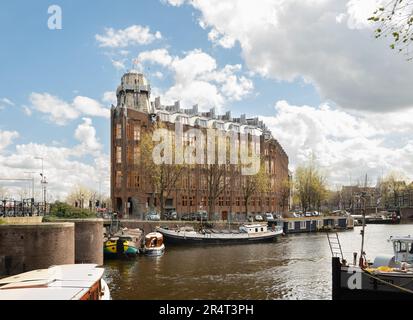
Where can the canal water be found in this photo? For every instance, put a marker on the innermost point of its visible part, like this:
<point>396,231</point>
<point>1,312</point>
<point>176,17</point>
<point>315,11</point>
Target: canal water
<point>295,267</point>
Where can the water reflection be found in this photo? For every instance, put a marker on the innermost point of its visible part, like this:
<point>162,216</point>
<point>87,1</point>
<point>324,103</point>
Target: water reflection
<point>296,267</point>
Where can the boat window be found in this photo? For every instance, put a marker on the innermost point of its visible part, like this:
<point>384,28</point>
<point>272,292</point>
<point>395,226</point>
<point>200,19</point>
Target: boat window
<point>411,248</point>
<point>262,229</point>
<point>400,246</point>
<point>256,229</point>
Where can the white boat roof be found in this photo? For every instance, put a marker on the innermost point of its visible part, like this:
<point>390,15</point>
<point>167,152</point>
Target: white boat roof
<point>154,235</point>
<point>402,238</point>
<point>63,282</point>
<point>43,294</point>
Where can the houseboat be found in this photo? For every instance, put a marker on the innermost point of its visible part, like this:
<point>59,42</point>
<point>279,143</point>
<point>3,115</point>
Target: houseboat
<point>247,234</point>
<point>122,244</point>
<point>315,224</point>
<point>65,282</point>
<point>154,245</point>
<point>388,277</point>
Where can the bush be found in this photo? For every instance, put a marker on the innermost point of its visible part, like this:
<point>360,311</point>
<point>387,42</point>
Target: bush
<point>63,210</point>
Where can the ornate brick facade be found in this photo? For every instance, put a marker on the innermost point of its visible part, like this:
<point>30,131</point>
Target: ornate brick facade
<point>130,192</point>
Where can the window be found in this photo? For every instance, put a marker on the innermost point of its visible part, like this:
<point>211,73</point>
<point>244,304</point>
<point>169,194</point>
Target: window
<point>136,132</point>
<point>129,155</point>
<point>291,225</point>
<point>136,180</point>
<point>136,155</point>
<point>118,131</point>
<point>164,117</point>
<point>221,201</point>
<point>184,201</point>
<point>303,225</point>
<point>118,179</point>
<point>237,201</point>
<point>118,154</point>
<point>400,246</point>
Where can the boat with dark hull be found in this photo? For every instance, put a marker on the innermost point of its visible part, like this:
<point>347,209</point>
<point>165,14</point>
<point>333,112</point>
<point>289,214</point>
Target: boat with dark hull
<point>389,277</point>
<point>247,234</point>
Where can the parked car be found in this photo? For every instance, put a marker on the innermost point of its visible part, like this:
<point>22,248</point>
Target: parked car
<point>201,216</point>
<point>269,217</point>
<point>258,218</point>
<point>308,214</point>
<point>153,216</point>
<point>171,215</point>
<point>277,215</point>
<point>188,217</point>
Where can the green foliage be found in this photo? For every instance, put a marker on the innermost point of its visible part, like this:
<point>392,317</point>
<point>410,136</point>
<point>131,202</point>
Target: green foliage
<point>310,186</point>
<point>395,21</point>
<point>63,210</point>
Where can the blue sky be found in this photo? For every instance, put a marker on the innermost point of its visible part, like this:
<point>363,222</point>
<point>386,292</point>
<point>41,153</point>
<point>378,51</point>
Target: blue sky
<point>69,62</point>
<point>300,72</point>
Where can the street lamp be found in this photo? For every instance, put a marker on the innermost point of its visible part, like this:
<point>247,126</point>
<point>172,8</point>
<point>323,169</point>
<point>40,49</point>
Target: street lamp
<point>43,182</point>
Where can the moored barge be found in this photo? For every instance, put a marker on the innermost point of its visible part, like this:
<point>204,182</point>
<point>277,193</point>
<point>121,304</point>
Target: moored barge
<point>247,234</point>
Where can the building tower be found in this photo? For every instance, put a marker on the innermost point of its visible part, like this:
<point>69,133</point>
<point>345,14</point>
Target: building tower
<point>134,93</point>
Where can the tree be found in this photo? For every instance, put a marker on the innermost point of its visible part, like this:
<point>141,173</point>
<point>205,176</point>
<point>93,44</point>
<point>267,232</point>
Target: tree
<point>310,186</point>
<point>64,210</point>
<point>285,193</point>
<point>4,193</point>
<point>254,184</point>
<point>80,196</point>
<point>395,20</point>
<point>162,178</point>
<point>391,188</point>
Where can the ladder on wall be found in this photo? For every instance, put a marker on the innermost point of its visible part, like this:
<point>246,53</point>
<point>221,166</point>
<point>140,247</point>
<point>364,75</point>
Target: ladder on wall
<point>335,245</point>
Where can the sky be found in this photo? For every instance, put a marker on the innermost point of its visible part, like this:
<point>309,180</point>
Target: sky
<point>311,69</point>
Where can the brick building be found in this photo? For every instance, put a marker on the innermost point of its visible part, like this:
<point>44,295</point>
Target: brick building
<point>130,194</point>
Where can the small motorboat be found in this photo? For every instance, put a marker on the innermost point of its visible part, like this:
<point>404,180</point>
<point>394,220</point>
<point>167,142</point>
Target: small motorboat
<point>154,245</point>
<point>121,244</point>
<point>64,282</point>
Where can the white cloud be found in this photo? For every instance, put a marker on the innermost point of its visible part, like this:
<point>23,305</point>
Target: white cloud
<point>27,111</point>
<point>86,134</point>
<point>6,138</point>
<point>62,167</point>
<point>198,80</point>
<point>159,56</point>
<point>218,38</point>
<point>61,112</point>
<point>6,102</point>
<point>109,97</point>
<point>175,3</point>
<point>347,145</point>
<point>90,107</point>
<point>119,65</point>
<point>288,40</point>
<point>58,110</point>
<point>122,38</point>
